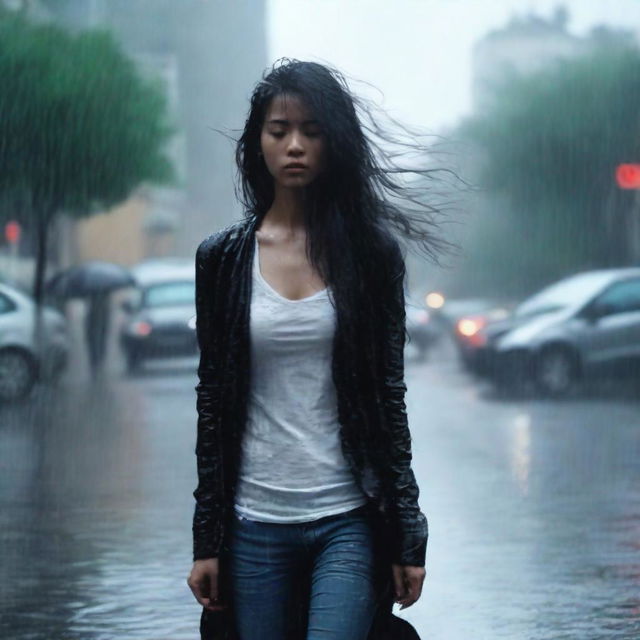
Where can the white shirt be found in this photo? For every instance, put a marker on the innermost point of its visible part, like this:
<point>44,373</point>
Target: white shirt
<point>293,468</point>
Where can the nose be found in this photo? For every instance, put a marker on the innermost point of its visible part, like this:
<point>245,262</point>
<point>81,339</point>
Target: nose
<point>295,144</point>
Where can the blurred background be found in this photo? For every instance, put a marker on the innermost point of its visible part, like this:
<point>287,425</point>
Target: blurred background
<point>117,128</point>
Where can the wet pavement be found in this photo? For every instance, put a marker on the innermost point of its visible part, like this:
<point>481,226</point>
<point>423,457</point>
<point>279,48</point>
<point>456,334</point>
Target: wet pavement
<point>534,510</point>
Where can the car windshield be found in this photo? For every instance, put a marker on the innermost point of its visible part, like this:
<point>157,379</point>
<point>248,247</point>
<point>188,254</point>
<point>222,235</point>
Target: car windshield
<point>169,294</point>
<point>570,292</point>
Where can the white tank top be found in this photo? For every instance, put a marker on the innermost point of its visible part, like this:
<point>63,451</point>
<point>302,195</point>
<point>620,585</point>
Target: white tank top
<point>292,465</point>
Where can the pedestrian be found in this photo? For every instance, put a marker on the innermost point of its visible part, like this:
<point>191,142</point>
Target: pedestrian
<point>96,324</point>
<point>307,523</point>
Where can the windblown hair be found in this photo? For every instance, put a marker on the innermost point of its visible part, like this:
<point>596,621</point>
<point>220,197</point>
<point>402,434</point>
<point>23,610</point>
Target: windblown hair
<point>364,194</point>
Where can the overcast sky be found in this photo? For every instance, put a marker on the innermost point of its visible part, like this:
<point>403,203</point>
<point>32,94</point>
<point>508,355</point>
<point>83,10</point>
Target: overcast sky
<point>417,52</point>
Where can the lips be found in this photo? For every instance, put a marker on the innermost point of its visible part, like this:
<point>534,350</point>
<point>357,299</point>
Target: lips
<point>295,165</point>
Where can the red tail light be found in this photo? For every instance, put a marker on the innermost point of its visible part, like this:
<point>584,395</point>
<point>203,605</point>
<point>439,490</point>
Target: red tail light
<point>470,329</point>
<point>142,328</point>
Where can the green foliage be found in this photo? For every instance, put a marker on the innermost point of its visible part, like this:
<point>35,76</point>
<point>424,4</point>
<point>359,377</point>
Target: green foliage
<point>549,145</point>
<point>79,128</point>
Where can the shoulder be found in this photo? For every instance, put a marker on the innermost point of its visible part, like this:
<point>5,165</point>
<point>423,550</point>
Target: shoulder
<point>213,246</point>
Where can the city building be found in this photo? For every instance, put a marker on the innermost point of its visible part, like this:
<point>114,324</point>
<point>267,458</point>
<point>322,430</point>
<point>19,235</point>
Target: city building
<point>527,44</point>
<point>207,56</point>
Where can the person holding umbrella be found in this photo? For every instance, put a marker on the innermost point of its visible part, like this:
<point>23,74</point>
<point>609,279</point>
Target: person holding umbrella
<point>94,281</point>
<point>96,325</point>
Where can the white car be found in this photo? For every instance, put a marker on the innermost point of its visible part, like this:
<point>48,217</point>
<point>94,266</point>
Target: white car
<point>582,326</point>
<point>22,364</point>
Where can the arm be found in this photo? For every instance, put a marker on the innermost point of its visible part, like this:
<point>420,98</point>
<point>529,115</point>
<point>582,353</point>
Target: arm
<point>209,494</point>
<point>409,525</point>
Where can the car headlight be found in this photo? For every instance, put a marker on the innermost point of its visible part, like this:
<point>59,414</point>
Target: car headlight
<point>434,300</point>
<point>141,328</point>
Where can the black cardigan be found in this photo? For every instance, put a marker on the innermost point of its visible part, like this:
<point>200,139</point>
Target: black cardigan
<point>374,432</point>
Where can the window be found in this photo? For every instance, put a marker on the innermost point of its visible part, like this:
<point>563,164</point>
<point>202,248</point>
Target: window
<point>573,291</point>
<point>169,294</point>
<point>6,304</point>
<point>620,298</point>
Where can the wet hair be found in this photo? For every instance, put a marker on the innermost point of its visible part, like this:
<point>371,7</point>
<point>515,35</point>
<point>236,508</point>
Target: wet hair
<point>364,198</point>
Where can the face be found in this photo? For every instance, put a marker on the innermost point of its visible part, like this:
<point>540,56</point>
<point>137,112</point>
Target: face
<point>293,146</point>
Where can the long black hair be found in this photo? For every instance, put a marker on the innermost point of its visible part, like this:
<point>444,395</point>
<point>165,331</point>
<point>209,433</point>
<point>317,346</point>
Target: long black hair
<point>365,195</point>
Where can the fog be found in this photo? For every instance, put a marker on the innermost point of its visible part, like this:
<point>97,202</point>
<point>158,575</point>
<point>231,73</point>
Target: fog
<point>511,126</point>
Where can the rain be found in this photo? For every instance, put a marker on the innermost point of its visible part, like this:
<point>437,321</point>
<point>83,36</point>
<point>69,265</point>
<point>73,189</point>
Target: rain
<point>117,127</point>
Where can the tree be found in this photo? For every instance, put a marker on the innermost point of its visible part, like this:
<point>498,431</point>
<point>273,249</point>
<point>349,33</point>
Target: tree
<point>549,146</point>
<point>79,128</point>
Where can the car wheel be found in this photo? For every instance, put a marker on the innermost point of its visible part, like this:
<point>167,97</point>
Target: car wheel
<point>17,375</point>
<point>510,372</point>
<point>556,371</point>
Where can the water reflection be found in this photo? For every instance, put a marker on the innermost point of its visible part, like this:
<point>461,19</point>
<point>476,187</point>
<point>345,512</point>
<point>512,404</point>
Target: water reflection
<point>88,524</point>
<point>534,525</point>
<point>520,452</point>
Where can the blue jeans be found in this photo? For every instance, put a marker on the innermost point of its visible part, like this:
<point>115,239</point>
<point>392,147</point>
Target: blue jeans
<point>268,561</point>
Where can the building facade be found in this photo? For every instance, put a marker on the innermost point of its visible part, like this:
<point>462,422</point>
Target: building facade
<point>527,44</point>
<point>207,56</point>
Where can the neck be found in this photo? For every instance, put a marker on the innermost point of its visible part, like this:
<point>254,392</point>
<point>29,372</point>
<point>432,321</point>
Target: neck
<point>287,211</point>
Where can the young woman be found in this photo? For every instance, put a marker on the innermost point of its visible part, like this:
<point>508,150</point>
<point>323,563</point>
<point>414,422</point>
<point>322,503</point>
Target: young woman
<point>307,522</point>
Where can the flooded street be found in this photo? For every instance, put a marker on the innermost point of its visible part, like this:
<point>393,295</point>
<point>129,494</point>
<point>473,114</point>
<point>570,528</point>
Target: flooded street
<point>96,512</point>
<point>468,170</point>
<point>534,510</point>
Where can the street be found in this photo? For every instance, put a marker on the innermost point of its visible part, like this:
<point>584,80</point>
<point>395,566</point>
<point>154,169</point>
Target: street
<point>468,169</point>
<point>533,506</point>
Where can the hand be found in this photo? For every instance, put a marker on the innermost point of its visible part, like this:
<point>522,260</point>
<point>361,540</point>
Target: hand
<point>408,582</point>
<point>203,582</point>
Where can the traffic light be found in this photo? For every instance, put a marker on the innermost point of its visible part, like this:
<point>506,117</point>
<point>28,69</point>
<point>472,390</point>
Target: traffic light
<point>628,176</point>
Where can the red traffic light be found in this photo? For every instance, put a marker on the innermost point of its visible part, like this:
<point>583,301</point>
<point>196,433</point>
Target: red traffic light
<point>628,176</point>
<point>12,232</point>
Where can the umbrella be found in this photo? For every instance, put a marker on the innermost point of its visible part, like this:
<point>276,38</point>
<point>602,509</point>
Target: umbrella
<point>89,279</point>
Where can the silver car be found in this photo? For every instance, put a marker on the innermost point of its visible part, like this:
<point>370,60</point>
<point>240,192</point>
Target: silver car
<point>587,324</point>
<point>22,363</point>
<point>161,322</point>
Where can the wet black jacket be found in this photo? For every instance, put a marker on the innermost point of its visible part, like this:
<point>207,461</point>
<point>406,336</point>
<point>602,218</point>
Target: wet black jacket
<point>373,421</point>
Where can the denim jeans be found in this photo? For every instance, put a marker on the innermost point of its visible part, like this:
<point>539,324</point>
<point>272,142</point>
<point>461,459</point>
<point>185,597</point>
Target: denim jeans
<point>268,561</point>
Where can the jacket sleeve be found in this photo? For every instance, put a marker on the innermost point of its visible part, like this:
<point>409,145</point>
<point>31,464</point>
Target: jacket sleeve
<point>209,494</point>
<point>409,528</point>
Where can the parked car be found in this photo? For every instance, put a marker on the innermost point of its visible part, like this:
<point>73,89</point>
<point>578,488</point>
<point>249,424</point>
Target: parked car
<point>461,320</point>
<point>470,336</point>
<point>420,329</point>
<point>22,362</point>
<point>582,326</point>
<point>452,310</point>
<point>161,320</point>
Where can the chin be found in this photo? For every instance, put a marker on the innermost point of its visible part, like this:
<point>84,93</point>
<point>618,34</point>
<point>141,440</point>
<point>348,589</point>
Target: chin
<point>295,183</point>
